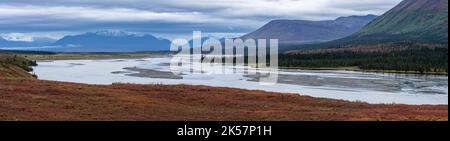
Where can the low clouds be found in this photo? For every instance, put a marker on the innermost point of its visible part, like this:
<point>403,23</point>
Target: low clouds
<point>17,37</point>
<point>89,14</point>
<point>172,16</point>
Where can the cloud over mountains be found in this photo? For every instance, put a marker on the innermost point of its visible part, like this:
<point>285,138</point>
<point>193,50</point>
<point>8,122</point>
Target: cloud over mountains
<point>172,16</point>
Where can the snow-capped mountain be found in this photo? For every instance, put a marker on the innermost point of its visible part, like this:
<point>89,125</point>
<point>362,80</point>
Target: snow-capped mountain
<point>112,41</point>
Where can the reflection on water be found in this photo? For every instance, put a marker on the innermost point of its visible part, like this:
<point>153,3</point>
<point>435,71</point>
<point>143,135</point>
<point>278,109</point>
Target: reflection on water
<point>346,85</point>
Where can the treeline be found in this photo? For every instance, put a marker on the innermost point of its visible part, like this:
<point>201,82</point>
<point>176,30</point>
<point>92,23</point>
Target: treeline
<point>26,52</point>
<point>417,59</point>
<point>376,39</point>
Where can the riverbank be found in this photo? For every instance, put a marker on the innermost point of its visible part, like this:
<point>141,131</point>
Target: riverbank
<point>24,98</point>
<point>373,88</point>
<point>140,55</point>
<point>94,56</point>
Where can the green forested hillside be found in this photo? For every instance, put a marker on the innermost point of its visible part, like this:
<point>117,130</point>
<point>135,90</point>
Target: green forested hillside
<point>420,21</point>
<point>413,36</point>
<point>412,20</point>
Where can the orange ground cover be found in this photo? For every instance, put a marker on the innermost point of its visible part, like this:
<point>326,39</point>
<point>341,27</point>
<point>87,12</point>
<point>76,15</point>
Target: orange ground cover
<point>28,99</point>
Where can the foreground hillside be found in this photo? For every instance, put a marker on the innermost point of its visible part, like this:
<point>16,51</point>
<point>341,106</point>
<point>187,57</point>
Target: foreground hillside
<point>14,66</point>
<point>46,100</point>
<point>24,98</point>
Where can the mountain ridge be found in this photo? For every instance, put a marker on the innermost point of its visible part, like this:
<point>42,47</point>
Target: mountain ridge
<point>112,41</point>
<point>304,31</point>
<point>413,20</point>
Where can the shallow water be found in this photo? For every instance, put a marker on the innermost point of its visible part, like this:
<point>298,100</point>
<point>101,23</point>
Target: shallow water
<point>345,85</point>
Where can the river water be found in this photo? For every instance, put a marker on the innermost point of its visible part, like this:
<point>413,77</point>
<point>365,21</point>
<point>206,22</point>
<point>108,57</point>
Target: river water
<point>375,88</point>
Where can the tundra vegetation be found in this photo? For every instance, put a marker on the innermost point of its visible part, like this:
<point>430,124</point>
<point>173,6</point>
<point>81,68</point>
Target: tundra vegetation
<point>22,97</point>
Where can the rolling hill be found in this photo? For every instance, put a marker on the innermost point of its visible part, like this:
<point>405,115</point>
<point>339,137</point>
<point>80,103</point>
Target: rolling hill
<point>15,66</point>
<point>303,31</point>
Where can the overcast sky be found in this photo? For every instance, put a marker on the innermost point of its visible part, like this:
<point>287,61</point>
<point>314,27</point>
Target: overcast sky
<point>55,18</point>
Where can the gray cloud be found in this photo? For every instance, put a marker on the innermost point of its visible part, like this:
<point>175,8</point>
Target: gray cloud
<point>172,16</point>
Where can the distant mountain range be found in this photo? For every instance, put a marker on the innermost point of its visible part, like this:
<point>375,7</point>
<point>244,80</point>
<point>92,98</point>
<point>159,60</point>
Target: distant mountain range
<point>112,41</point>
<point>100,41</point>
<point>411,20</point>
<point>303,31</point>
